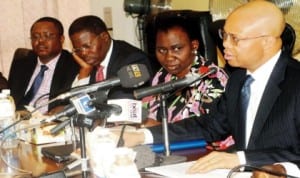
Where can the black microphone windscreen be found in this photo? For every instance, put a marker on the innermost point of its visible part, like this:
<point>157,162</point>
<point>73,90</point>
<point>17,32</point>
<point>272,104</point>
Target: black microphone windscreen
<point>133,75</point>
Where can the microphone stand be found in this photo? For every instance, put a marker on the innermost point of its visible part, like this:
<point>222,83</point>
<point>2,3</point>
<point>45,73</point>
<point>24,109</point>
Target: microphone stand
<point>84,160</point>
<point>81,121</point>
<point>167,158</point>
<point>83,155</point>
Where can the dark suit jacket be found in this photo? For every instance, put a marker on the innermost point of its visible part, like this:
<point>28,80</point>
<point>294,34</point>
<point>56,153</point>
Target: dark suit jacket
<point>276,131</point>
<point>3,82</point>
<point>123,54</point>
<point>22,69</point>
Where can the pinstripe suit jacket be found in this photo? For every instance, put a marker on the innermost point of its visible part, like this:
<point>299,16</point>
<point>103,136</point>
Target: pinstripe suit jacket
<point>276,131</point>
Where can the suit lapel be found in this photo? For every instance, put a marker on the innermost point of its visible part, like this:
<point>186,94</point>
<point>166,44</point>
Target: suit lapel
<point>238,80</point>
<point>112,59</point>
<point>269,97</point>
<point>28,69</point>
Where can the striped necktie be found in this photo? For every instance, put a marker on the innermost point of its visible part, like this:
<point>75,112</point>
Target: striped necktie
<point>244,101</point>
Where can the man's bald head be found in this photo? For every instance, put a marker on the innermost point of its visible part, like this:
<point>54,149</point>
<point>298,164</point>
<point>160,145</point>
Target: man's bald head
<point>254,29</point>
<point>262,16</point>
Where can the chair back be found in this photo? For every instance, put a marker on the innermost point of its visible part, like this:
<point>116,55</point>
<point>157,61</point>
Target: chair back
<point>199,19</point>
<point>21,53</point>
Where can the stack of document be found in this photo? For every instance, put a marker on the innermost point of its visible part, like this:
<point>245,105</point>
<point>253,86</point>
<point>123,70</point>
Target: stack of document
<point>179,171</point>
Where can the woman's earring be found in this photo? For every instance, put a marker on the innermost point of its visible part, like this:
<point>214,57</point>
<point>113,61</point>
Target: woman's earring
<point>195,52</point>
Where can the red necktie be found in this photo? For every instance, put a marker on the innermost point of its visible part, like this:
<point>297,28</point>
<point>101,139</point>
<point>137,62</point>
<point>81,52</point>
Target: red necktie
<point>99,74</point>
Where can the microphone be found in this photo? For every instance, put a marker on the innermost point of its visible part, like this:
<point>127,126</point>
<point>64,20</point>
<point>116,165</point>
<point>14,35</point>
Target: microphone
<point>59,127</point>
<point>87,119</point>
<point>129,76</point>
<point>79,104</point>
<point>68,111</point>
<point>105,110</point>
<point>131,111</point>
<point>172,85</point>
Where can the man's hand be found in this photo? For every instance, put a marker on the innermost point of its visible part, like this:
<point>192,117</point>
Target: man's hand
<point>131,136</point>
<point>214,160</point>
<point>274,168</point>
<point>85,68</point>
<point>150,123</point>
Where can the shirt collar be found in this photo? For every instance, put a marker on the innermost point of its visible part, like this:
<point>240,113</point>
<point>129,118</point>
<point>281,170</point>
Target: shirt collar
<point>264,71</point>
<point>51,64</point>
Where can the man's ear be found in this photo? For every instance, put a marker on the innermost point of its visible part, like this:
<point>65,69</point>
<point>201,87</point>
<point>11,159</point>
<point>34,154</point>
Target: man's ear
<point>269,41</point>
<point>105,36</point>
<point>62,39</point>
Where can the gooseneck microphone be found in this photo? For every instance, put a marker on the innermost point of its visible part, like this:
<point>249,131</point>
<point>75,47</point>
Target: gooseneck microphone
<point>172,85</point>
<point>108,108</point>
<point>68,111</point>
<point>129,76</point>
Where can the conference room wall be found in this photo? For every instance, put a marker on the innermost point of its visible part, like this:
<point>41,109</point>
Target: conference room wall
<point>17,16</point>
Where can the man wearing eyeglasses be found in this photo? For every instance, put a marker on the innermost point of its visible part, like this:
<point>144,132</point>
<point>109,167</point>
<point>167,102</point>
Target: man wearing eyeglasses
<point>46,69</point>
<point>265,127</point>
<point>100,56</point>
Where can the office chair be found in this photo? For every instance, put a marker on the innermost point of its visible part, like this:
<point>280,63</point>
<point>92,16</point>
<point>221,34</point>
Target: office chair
<point>20,53</point>
<point>200,21</point>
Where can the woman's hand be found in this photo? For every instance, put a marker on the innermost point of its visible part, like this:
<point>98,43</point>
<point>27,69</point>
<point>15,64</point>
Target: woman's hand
<point>150,122</point>
<point>131,136</point>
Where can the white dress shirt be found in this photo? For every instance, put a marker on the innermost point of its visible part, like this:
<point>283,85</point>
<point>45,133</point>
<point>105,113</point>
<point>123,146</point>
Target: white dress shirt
<point>45,85</point>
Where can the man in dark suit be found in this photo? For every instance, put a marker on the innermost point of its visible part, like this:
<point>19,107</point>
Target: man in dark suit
<point>47,40</point>
<point>98,54</point>
<point>251,38</point>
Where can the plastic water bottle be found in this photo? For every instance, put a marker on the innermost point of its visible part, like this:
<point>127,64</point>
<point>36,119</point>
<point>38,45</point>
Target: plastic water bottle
<point>7,117</point>
<point>101,148</point>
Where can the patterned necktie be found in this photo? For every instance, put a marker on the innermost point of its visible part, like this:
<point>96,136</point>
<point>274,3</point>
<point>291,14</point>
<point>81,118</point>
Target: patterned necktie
<point>35,85</point>
<point>244,101</point>
<point>100,74</point>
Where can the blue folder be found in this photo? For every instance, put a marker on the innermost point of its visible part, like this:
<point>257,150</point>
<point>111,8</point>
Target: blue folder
<point>158,148</point>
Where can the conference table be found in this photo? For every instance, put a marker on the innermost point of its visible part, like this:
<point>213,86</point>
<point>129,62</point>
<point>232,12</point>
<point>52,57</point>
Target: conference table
<point>26,160</point>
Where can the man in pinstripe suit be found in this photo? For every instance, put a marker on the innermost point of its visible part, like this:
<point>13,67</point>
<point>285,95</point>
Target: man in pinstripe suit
<point>251,37</point>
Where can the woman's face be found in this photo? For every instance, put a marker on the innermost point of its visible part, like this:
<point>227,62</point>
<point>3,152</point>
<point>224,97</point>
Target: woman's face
<point>174,51</point>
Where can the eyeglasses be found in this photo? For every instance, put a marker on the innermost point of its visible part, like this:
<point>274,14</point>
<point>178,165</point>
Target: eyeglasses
<point>44,36</point>
<point>235,40</point>
<point>86,47</point>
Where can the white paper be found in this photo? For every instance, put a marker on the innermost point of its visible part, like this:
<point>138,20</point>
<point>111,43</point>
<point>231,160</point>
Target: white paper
<point>179,171</point>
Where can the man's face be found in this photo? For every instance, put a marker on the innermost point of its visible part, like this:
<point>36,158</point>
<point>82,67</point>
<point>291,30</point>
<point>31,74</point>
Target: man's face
<point>244,45</point>
<point>92,48</point>
<point>46,41</point>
